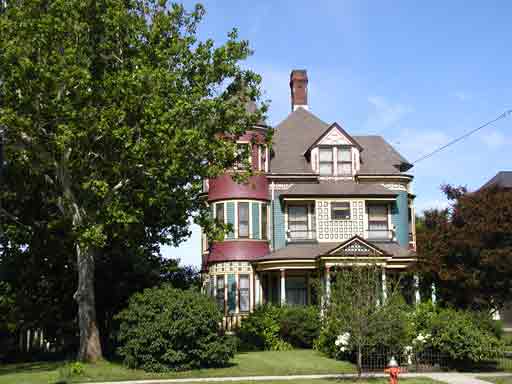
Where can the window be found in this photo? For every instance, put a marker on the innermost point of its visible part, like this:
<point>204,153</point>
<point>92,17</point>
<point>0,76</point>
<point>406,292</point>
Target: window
<point>219,212</point>
<point>344,164</point>
<point>264,229</point>
<point>298,221</point>
<point>243,154</point>
<point>263,157</point>
<point>378,222</point>
<point>220,292</point>
<point>340,211</point>
<point>244,293</point>
<point>243,220</point>
<point>296,291</point>
<point>326,161</point>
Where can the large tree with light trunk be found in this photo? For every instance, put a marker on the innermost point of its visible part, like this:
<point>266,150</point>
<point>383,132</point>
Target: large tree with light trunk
<point>115,109</point>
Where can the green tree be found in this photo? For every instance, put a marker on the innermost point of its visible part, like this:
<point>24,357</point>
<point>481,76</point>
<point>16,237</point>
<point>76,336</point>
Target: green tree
<point>360,314</point>
<point>467,248</point>
<point>117,111</point>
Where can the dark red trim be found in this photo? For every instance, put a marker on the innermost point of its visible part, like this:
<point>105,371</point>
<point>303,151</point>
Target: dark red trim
<point>238,250</point>
<point>225,188</point>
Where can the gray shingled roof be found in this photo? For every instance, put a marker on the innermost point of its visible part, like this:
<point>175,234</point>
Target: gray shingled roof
<point>345,188</point>
<point>295,134</point>
<point>310,251</point>
<point>502,179</point>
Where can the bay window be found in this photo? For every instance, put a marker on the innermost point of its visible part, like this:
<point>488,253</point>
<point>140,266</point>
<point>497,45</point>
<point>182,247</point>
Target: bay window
<point>244,293</point>
<point>220,292</point>
<point>243,220</point>
<point>219,212</point>
<point>264,224</point>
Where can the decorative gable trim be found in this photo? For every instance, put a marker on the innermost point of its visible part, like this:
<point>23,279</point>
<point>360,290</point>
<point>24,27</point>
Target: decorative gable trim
<point>356,246</point>
<point>332,127</point>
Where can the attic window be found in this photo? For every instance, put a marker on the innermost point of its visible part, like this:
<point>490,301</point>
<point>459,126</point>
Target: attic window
<point>326,161</point>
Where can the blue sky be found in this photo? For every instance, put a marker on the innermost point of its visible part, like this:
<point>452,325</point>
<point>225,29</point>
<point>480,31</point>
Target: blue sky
<point>417,73</point>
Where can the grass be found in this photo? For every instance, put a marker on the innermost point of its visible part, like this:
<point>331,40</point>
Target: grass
<point>340,381</point>
<point>497,379</point>
<point>270,363</point>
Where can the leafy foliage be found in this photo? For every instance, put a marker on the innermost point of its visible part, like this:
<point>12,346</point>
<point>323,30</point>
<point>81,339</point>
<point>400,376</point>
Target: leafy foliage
<point>280,328</point>
<point>299,325</point>
<point>113,113</point>
<point>356,308</point>
<point>467,249</point>
<point>166,329</point>
<point>463,336</point>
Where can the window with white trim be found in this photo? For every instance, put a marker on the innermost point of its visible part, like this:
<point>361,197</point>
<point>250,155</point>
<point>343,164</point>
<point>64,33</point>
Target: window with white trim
<point>264,221</point>
<point>220,292</point>
<point>344,164</point>
<point>219,213</point>
<point>244,293</point>
<point>326,161</point>
<point>378,221</point>
<point>243,220</point>
<point>340,211</point>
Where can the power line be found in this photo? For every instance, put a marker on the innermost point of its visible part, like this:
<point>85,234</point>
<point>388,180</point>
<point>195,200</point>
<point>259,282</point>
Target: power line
<point>502,116</point>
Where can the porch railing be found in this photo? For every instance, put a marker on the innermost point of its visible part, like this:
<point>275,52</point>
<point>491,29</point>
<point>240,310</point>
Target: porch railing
<point>380,234</point>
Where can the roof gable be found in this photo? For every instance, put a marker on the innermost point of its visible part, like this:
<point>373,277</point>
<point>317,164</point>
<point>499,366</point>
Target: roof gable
<point>334,135</point>
<point>356,246</point>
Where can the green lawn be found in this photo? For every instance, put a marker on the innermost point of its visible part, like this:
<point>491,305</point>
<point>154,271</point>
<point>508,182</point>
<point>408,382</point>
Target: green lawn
<point>497,379</point>
<point>271,363</point>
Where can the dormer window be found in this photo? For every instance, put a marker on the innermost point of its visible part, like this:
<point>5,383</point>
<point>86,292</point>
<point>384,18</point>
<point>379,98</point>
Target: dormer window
<point>326,161</point>
<point>344,165</point>
<point>335,161</point>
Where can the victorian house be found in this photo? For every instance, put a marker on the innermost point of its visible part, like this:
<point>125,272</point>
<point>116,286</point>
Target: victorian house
<point>321,198</point>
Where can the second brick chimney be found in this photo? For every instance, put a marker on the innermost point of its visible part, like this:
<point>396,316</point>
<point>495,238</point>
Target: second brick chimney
<point>299,88</point>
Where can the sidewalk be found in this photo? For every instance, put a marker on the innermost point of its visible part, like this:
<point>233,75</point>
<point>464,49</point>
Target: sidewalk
<point>445,377</point>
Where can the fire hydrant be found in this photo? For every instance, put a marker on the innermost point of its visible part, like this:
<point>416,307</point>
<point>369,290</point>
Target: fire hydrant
<point>393,369</point>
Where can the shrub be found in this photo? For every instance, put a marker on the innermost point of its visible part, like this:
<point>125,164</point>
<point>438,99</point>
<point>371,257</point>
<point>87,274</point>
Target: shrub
<point>279,328</point>
<point>463,336</point>
<point>300,326</point>
<point>168,329</point>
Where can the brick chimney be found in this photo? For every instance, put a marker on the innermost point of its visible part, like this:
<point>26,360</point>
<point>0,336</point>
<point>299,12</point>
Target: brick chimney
<point>299,88</point>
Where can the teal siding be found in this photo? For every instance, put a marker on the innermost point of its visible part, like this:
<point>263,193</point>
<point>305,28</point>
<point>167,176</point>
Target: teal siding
<point>256,220</point>
<point>278,230</point>
<point>231,293</point>
<point>230,215</point>
<point>400,218</point>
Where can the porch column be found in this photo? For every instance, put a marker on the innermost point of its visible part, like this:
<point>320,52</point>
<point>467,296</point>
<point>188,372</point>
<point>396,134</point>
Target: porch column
<point>434,296</point>
<point>417,298</point>
<point>327,282</point>
<point>283,287</point>
<point>257,290</point>
<point>251,292</point>
<point>308,289</point>
<point>384,286</point>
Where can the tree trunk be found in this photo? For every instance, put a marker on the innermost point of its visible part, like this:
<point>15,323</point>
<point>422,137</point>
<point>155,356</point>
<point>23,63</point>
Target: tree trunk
<point>90,345</point>
<point>359,362</point>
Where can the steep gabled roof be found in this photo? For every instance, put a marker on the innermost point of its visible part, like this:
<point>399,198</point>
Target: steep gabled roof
<point>380,157</point>
<point>296,134</point>
<point>502,179</point>
<point>329,129</point>
<point>292,137</point>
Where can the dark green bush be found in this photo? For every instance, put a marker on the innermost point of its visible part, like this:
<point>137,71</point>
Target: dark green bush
<point>169,329</point>
<point>300,326</point>
<point>279,328</point>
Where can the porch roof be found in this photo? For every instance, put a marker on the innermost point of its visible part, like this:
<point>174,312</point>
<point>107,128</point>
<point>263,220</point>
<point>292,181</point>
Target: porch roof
<point>345,188</point>
<point>312,251</point>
